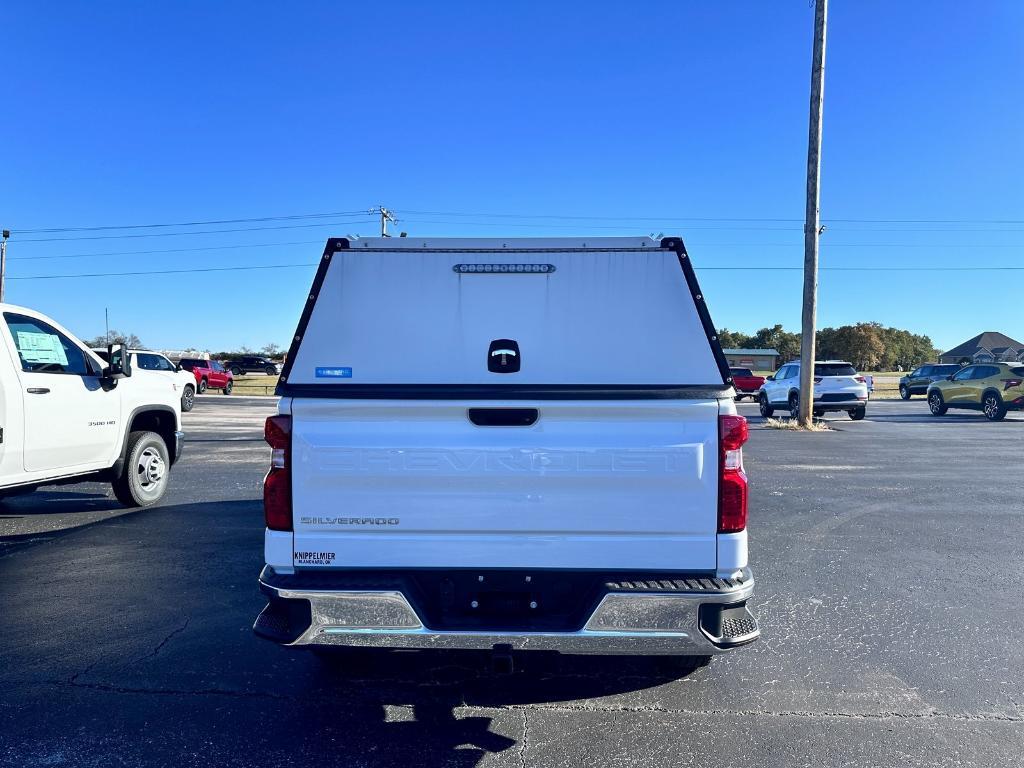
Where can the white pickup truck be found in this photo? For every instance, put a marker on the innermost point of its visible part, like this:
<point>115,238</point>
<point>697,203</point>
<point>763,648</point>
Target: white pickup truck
<point>507,444</point>
<point>66,416</point>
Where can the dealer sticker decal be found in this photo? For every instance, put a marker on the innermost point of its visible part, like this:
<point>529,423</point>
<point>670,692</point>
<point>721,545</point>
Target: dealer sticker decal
<point>335,372</point>
<point>313,558</point>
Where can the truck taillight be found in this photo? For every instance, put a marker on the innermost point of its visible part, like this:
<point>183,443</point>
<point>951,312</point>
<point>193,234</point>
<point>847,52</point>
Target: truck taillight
<point>732,480</point>
<point>277,485</point>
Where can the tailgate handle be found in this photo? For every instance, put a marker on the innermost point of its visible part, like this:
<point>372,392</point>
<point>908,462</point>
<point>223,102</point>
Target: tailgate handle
<point>503,417</point>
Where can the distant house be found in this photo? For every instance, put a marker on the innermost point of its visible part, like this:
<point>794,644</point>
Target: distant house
<point>987,347</point>
<point>755,359</point>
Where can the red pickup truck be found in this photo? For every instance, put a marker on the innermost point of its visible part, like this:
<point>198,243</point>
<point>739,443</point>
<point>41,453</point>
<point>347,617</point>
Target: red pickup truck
<point>209,374</point>
<point>745,382</point>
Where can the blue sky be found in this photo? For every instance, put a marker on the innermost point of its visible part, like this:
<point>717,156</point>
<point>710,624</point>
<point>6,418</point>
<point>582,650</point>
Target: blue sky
<point>678,117</point>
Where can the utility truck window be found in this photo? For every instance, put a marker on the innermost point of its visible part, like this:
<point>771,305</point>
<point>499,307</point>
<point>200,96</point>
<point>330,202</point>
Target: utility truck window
<point>42,349</point>
<point>150,362</point>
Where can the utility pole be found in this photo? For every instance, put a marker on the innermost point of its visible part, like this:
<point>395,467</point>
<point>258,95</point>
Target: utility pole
<point>3,262</point>
<point>106,318</point>
<point>812,225</point>
<point>385,217</point>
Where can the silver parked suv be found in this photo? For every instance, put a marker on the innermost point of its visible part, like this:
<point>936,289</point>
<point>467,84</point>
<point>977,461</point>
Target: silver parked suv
<point>837,387</point>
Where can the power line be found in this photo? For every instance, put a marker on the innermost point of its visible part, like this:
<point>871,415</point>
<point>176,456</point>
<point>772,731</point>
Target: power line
<point>168,250</point>
<point>735,229</point>
<point>530,216</point>
<point>164,271</point>
<point>203,232</point>
<point>194,223</point>
<point>590,226</point>
<point>706,218</point>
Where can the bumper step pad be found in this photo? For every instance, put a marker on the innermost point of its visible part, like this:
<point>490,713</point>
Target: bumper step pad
<point>673,584</point>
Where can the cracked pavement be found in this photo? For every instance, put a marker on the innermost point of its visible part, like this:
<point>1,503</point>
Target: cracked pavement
<point>886,559</point>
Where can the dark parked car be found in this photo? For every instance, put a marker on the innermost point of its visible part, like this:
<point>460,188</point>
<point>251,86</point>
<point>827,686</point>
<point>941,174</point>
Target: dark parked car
<point>916,382</point>
<point>252,364</point>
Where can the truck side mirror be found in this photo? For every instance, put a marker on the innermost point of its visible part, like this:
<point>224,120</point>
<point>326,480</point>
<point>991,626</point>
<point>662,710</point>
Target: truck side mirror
<point>120,362</point>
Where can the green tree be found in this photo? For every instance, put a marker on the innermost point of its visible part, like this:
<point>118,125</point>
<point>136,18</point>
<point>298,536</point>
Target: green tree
<point>732,339</point>
<point>116,337</point>
<point>271,350</point>
<point>782,341</point>
<point>861,344</point>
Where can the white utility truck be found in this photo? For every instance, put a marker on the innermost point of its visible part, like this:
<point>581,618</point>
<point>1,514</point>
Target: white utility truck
<point>66,416</point>
<point>507,444</point>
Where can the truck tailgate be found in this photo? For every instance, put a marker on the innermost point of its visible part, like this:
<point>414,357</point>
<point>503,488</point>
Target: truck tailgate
<point>608,484</point>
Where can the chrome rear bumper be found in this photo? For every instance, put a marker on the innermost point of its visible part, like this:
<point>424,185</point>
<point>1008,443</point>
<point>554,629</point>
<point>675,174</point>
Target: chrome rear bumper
<point>640,621</point>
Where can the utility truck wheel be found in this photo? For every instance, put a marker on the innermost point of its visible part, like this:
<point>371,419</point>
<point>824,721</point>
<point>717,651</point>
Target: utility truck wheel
<point>228,387</point>
<point>143,479</point>
<point>765,407</point>
<point>188,398</point>
<point>202,386</point>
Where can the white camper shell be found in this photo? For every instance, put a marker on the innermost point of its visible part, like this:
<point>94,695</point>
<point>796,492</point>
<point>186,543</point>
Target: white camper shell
<point>489,443</point>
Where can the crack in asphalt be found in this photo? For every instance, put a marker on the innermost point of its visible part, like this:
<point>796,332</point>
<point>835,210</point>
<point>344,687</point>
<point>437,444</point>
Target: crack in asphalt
<point>71,680</point>
<point>524,744</point>
<point>163,642</point>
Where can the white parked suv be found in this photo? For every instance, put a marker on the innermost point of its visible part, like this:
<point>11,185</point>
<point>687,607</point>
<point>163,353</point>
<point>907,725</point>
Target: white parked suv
<point>509,445</point>
<point>146,360</point>
<point>837,387</point>
<point>67,416</point>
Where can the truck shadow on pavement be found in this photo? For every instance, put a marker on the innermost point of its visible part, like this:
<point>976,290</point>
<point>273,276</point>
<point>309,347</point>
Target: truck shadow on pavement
<point>43,515</point>
<point>44,502</point>
<point>452,708</point>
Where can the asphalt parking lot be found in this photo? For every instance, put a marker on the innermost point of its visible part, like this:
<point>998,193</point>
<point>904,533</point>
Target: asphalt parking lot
<point>887,562</point>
